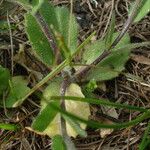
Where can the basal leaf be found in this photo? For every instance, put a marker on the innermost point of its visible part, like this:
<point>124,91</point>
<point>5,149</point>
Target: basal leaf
<point>56,18</point>
<point>39,42</point>
<point>68,28</point>
<point>4,79</point>
<point>45,117</point>
<point>48,11</point>
<point>58,143</point>
<point>18,89</point>
<point>115,61</point>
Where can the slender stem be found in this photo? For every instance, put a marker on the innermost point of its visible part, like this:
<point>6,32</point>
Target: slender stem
<point>127,23</point>
<point>101,101</point>
<point>83,71</point>
<point>63,89</point>
<point>52,74</point>
<point>95,124</point>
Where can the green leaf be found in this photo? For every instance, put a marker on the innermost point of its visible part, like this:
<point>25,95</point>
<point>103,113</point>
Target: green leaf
<point>97,125</point>
<point>104,102</point>
<point>115,61</point>
<point>11,127</point>
<point>44,118</point>
<point>67,27</point>
<point>18,89</point>
<point>143,10</point>
<point>58,143</point>
<point>57,19</point>
<point>109,36</point>
<point>146,139</point>
<point>39,42</point>
<point>47,114</point>
<point>4,79</point>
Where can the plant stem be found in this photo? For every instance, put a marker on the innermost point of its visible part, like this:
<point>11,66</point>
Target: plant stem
<point>63,89</point>
<point>83,71</point>
<point>52,74</point>
<point>78,76</point>
<point>66,82</point>
<point>127,23</point>
<point>95,124</point>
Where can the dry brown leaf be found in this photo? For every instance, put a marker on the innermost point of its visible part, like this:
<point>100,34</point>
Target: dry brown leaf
<point>141,59</point>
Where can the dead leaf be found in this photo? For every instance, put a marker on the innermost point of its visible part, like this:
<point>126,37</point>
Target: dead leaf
<point>141,59</point>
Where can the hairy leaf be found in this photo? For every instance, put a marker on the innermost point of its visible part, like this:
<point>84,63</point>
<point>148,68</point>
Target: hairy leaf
<point>57,19</point>
<point>44,118</point>
<point>115,61</point>
<point>110,32</point>
<point>68,28</point>
<point>18,89</point>
<point>39,42</point>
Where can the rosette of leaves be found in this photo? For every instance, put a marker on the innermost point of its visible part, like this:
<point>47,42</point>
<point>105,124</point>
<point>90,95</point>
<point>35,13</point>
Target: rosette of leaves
<point>53,29</point>
<point>43,18</point>
<point>59,19</point>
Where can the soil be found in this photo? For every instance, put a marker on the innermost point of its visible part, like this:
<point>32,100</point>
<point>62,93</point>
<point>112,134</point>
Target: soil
<point>91,17</point>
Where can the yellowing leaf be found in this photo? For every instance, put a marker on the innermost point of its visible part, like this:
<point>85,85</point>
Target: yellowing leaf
<point>77,108</point>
